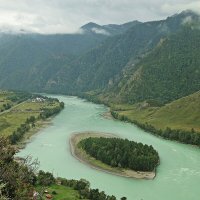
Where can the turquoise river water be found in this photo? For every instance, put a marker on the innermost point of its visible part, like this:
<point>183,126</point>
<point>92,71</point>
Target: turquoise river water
<point>178,176</point>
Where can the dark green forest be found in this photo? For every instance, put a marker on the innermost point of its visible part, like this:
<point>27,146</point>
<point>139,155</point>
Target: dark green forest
<point>169,72</point>
<point>121,153</point>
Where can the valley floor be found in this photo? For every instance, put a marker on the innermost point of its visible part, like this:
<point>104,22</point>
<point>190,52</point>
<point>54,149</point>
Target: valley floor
<point>26,117</point>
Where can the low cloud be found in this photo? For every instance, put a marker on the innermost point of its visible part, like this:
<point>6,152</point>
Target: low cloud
<point>100,31</point>
<point>187,20</point>
<point>66,16</point>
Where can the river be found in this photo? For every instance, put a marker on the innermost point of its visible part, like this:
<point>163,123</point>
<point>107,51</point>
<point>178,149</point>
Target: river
<point>178,175</point>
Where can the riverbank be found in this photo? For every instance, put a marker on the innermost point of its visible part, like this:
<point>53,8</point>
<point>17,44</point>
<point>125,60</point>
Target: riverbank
<point>39,126</point>
<point>170,121</point>
<point>107,115</point>
<point>83,157</point>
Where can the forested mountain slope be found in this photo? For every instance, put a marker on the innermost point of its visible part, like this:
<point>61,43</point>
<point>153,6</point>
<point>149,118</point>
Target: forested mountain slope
<point>36,62</point>
<point>170,71</point>
<point>90,60</point>
<point>102,67</point>
<point>25,57</point>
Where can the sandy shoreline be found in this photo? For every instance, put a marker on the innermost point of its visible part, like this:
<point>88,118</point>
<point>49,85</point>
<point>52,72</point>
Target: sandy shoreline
<point>93,163</point>
<point>107,115</point>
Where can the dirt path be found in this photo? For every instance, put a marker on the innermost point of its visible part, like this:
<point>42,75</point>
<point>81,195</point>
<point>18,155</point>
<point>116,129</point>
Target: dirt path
<point>15,106</point>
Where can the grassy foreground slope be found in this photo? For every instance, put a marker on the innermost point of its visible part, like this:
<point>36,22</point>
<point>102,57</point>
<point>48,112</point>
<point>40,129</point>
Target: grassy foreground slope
<point>62,192</point>
<point>21,180</point>
<point>181,114</point>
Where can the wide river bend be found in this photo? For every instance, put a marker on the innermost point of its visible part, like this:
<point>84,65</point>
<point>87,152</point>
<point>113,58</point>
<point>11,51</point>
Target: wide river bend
<point>178,176</point>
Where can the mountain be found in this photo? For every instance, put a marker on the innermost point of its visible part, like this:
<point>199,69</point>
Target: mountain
<point>36,62</point>
<point>31,59</point>
<point>103,66</point>
<point>110,29</point>
<point>169,72</point>
<point>89,60</point>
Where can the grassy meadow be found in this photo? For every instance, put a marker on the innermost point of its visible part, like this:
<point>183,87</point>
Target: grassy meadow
<point>12,118</point>
<point>181,114</point>
<point>61,192</point>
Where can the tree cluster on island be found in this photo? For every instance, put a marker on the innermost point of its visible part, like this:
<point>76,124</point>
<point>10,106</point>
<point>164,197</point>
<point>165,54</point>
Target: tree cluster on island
<point>121,153</point>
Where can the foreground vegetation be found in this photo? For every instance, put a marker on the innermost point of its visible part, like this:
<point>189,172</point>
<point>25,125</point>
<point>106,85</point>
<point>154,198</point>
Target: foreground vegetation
<point>121,153</point>
<point>59,192</point>
<point>21,180</point>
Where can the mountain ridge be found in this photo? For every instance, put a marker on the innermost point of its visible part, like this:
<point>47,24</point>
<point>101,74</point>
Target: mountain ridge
<point>81,62</point>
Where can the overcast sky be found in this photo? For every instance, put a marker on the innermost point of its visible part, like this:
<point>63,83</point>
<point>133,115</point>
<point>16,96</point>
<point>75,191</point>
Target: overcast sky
<point>66,16</point>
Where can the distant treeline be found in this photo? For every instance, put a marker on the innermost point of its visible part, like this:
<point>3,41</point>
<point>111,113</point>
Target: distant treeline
<point>19,133</point>
<point>121,153</point>
<point>48,112</point>
<point>6,106</point>
<point>187,137</point>
<point>19,97</point>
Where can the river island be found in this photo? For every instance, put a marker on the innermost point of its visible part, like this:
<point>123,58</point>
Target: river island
<point>81,142</point>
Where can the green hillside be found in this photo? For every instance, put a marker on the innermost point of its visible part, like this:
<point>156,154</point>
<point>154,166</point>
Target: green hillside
<point>182,114</point>
<point>178,120</point>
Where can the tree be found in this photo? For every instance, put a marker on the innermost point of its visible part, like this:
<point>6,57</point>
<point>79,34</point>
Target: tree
<point>117,152</point>
<point>45,178</point>
<point>2,197</point>
<point>18,176</point>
